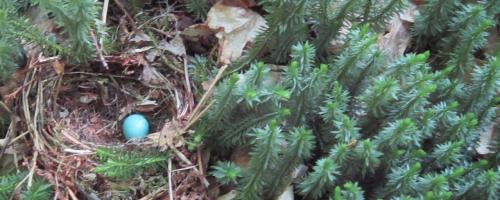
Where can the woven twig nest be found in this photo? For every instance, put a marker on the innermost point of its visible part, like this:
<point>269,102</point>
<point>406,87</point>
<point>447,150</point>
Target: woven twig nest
<point>65,115</point>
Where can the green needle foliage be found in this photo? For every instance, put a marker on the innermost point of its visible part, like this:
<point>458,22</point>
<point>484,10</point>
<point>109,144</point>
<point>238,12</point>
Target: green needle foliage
<point>329,20</point>
<point>198,8</point>
<point>323,176</point>
<point>300,144</point>
<point>379,13</point>
<point>290,22</point>
<point>39,190</point>
<point>226,172</point>
<point>480,93</point>
<point>349,191</point>
<point>121,164</point>
<point>264,158</point>
<point>467,34</point>
<point>400,180</point>
<point>435,17</point>
<point>8,183</point>
<point>404,128</point>
<point>283,30</point>
<point>77,18</point>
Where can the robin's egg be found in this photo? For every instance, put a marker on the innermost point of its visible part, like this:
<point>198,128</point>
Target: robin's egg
<point>135,126</point>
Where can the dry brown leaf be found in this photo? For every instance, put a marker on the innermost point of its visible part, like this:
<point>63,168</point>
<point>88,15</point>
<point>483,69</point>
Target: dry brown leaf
<point>146,105</point>
<point>485,139</point>
<point>235,27</point>
<point>229,196</point>
<point>492,46</point>
<point>87,98</point>
<point>239,3</point>
<point>240,157</point>
<point>196,32</point>
<point>140,37</point>
<point>287,194</point>
<point>397,39</point>
<point>175,46</point>
<point>151,77</point>
<point>488,136</point>
<point>58,67</point>
<point>169,136</point>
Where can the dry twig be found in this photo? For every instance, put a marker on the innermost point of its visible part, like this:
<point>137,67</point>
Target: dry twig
<point>195,115</point>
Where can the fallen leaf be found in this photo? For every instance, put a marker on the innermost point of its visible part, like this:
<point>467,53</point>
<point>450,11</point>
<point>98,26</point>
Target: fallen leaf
<point>239,3</point>
<point>485,139</point>
<point>206,84</point>
<point>63,112</point>
<point>492,45</point>
<point>58,67</point>
<point>235,27</point>
<point>140,36</point>
<point>140,50</point>
<point>146,106</point>
<point>338,42</point>
<point>152,54</point>
<point>197,32</point>
<point>299,172</point>
<point>175,46</point>
<point>151,77</point>
<point>169,136</point>
<point>287,194</point>
<point>240,157</point>
<point>398,37</point>
<point>88,98</point>
<point>228,196</point>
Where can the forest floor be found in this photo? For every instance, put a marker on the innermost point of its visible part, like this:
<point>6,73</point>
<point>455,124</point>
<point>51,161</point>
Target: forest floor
<point>70,111</point>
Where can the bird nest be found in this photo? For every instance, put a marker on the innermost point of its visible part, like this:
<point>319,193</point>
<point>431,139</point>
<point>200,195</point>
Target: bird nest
<point>63,113</point>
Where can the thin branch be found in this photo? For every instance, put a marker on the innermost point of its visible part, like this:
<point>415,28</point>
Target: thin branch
<point>99,51</point>
<point>170,190</point>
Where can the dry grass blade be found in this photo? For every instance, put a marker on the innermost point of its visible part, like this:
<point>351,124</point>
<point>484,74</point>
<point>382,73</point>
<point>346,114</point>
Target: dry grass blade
<point>196,114</point>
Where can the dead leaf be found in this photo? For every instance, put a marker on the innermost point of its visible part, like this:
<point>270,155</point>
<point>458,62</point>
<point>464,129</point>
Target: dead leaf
<point>235,28</point>
<point>338,42</point>
<point>197,32</point>
<point>140,50</point>
<point>239,3</point>
<point>287,194</point>
<point>146,105</point>
<point>175,46</point>
<point>170,135</point>
<point>206,84</point>
<point>492,45</point>
<point>140,36</point>
<point>151,77</point>
<point>398,37</point>
<point>240,157</point>
<point>87,98</point>
<point>485,139</point>
<point>59,67</point>
<point>152,54</point>
<point>228,196</point>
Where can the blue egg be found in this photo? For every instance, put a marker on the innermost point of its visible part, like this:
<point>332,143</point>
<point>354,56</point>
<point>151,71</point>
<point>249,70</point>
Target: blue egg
<point>135,126</point>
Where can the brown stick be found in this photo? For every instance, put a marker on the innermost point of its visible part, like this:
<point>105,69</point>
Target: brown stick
<point>99,51</point>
